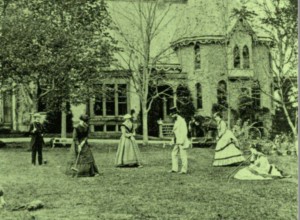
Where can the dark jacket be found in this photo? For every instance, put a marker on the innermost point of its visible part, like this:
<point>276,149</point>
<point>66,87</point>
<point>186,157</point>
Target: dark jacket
<point>80,133</point>
<point>36,131</point>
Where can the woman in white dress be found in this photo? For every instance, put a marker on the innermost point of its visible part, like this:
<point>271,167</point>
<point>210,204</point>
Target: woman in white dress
<point>260,168</point>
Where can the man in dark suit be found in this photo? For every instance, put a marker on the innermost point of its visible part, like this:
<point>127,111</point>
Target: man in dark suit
<point>36,131</point>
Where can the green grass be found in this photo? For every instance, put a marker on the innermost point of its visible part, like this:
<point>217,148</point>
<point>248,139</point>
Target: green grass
<point>142,193</point>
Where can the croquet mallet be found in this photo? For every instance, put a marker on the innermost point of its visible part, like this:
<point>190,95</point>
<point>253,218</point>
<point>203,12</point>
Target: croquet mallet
<point>242,163</point>
<point>74,168</point>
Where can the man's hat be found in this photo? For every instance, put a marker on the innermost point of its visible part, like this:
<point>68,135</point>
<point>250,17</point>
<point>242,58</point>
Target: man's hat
<point>174,110</point>
<point>84,118</point>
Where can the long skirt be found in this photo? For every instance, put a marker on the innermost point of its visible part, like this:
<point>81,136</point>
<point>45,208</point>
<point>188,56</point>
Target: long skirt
<point>85,165</point>
<point>128,153</point>
<point>226,152</point>
<point>256,173</point>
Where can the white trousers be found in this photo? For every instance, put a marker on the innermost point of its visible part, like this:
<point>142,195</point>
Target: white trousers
<point>178,149</point>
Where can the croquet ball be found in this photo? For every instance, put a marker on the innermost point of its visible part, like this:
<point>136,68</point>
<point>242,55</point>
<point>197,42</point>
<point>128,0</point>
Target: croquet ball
<point>45,161</point>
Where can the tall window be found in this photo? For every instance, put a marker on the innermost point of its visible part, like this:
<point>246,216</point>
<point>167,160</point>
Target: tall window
<point>7,107</point>
<point>122,99</point>
<point>236,57</point>
<point>246,58</point>
<point>256,95</point>
<point>111,100</point>
<point>98,105</point>
<point>272,92</point>
<point>270,61</point>
<point>197,57</point>
<point>199,96</point>
<point>222,93</point>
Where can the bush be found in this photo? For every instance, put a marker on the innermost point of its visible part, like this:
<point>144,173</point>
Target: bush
<point>5,130</point>
<point>2,144</point>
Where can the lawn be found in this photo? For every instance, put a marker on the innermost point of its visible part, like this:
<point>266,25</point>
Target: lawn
<point>142,193</point>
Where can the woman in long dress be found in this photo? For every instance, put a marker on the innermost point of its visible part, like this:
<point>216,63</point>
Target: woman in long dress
<point>260,168</point>
<point>83,160</point>
<point>128,154</point>
<point>226,152</point>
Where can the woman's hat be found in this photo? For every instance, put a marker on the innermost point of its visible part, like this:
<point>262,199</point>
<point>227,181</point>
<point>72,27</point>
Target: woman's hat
<point>127,116</point>
<point>84,118</point>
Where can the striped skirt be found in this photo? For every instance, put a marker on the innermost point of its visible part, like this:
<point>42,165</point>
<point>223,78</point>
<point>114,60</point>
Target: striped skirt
<point>226,152</point>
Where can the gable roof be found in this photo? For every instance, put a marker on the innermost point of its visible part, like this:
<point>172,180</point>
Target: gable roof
<point>195,21</point>
<point>210,21</point>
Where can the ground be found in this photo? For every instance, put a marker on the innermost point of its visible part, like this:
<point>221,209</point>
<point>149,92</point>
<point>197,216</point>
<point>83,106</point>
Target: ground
<point>142,193</point>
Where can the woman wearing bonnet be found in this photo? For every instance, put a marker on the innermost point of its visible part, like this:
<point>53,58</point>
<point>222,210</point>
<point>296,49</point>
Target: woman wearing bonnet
<point>128,154</point>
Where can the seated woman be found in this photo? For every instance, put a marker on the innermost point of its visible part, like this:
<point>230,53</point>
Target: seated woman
<point>226,152</point>
<point>260,168</point>
<point>128,154</point>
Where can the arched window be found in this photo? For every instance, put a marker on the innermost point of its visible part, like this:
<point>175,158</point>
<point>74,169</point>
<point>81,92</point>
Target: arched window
<point>222,93</point>
<point>246,57</point>
<point>236,57</point>
<point>256,95</point>
<point>270,61</point>
<point>197,56</point>
<point>199,96</point>
<point>272,93</point>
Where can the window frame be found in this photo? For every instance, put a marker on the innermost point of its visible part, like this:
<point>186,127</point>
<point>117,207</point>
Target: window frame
<point>113,100</point>
<point>197,58</point>
<point>246,57</point>
<point>236,57</point>
<point>199,98</point>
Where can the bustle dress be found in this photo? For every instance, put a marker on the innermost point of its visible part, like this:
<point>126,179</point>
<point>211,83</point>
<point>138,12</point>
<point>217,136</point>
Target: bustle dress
<point>226,152</point>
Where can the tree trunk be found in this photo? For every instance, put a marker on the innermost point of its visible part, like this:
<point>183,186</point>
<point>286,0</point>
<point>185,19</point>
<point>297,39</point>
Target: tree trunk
<point>145,123</point>
<point>296,144</point>
<point>293,127</point>
<point>63,121</point>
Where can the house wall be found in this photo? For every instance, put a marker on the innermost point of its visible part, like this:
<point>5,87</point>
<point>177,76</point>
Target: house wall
<point>262,72</point>
<point>214,59</point>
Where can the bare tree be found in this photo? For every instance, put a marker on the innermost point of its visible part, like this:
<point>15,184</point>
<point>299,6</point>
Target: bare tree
<point>279,20</point>
<point>141,26</point>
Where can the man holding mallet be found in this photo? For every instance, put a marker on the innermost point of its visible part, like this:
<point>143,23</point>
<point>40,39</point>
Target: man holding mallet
<point>180,142</point>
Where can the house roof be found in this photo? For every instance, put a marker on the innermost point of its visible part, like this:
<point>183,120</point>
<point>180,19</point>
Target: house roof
<point>186,22</point>
<point>210,21</point>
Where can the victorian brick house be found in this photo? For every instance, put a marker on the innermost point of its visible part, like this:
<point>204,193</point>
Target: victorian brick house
<point>217,58</point>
